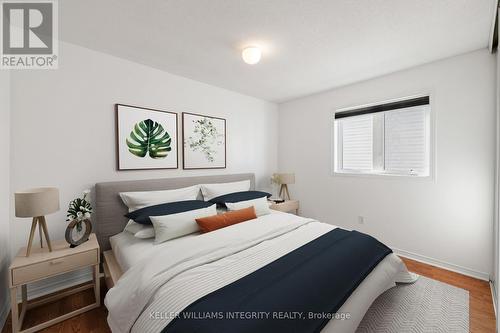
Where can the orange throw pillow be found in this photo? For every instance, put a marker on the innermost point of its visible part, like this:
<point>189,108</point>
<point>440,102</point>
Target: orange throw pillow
<point>215,222</point>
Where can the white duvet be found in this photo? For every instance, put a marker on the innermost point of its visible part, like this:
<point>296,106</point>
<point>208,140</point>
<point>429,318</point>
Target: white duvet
<point>151,292</point>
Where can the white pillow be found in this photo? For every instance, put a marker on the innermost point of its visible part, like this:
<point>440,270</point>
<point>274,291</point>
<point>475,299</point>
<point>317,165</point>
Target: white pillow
<point>138,200</point>
<point>176,225</point>
<point>146,233</point>
<point>211,191</point>
<point>139,230</point>
<point>261,205</point>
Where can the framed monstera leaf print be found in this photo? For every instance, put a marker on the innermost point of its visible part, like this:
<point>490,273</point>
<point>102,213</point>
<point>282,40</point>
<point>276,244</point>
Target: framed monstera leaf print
<point>146,138</point>
<point>204,142</point>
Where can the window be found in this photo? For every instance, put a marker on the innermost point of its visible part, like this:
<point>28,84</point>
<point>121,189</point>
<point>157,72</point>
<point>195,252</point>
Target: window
<point>387,139</point>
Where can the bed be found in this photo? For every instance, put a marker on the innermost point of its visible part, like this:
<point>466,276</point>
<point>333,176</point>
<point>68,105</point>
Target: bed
<point>152,287</point>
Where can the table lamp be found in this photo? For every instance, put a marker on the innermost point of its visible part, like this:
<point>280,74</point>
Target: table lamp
<point>284,180</point>
<point>37,203</point>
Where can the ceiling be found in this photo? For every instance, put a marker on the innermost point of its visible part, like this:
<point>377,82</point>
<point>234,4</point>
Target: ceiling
<point>308,45</point>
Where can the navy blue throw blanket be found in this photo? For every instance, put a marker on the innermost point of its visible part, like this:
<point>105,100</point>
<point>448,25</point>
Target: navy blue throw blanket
<point>298,292</point>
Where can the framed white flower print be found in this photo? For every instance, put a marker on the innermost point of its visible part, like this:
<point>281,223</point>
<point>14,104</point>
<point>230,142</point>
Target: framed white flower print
<point>204,142</point>
<point>146,138</point>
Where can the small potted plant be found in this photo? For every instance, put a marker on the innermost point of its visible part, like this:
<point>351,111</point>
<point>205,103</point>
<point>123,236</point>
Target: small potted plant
<point>79,214</point>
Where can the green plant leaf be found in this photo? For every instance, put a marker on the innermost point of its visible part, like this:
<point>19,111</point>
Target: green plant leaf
<point>148,136</point>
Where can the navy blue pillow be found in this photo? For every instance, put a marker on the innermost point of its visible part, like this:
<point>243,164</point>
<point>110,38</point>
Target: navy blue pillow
<point>142,215</point>
<point>237,197</point>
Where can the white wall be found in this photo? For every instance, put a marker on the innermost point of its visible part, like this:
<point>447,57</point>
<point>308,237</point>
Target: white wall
<point>448,221</point>
<point>496,229</point>
<point>4,193</point>
<point>64,125</point>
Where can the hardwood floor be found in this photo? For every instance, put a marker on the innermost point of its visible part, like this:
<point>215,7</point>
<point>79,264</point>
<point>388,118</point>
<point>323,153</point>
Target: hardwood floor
<point>482,317</point>
<point>91,321</point>
<point>481,313</point>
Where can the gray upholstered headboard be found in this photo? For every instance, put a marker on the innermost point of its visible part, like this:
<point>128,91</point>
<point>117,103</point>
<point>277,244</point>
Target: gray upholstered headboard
<point>110,210</point>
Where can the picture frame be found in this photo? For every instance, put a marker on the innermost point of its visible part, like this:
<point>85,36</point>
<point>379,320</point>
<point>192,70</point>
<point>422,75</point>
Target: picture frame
<point>146,139</point>
<point>204,142</point>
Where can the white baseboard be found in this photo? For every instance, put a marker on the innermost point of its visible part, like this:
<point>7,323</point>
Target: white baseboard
<point>442,264</point>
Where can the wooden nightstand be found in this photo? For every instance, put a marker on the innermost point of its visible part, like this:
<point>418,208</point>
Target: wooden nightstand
<point>42,264</point>
<point>289,206</point>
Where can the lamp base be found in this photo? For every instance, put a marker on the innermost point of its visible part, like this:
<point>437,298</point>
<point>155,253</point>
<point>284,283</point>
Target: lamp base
<point>42,228</point>
<point>284,191</point>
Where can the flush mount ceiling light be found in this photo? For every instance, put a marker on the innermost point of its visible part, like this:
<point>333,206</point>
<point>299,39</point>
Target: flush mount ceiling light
<point>251,55</point>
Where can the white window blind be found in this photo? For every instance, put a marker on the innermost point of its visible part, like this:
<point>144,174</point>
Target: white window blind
<point>406,141</point>
<point>357,143</point>
<point>388,139</point>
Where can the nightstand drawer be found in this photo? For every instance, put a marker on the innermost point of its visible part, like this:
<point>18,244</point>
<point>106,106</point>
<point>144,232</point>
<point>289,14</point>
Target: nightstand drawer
<point>47,268</point>
<point>286,206</point>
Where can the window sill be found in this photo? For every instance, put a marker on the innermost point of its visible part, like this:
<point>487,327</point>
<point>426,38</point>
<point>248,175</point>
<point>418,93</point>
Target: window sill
<point>380,175</point>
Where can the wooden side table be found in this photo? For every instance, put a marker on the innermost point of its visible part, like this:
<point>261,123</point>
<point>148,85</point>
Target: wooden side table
<point>42,264</point>
<point>288,206</point>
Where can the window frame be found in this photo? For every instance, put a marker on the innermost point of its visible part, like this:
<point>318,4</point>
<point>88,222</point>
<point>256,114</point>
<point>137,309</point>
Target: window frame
<point>336,154</point>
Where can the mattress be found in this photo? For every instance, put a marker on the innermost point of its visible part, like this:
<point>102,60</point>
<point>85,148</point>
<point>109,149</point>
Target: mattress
<point>130,250</point>
<point>170,276</point>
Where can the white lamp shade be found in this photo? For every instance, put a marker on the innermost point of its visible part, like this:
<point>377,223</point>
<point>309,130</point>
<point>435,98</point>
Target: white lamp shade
<point>286,178</point>
<point>37,202</point>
